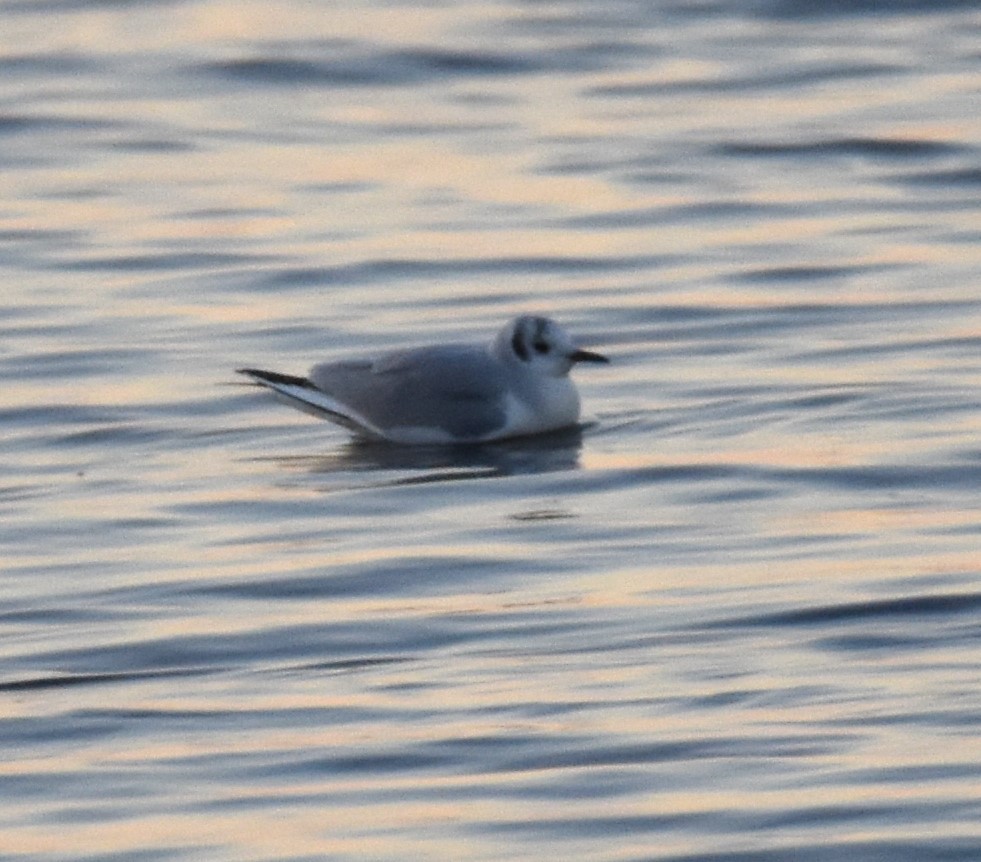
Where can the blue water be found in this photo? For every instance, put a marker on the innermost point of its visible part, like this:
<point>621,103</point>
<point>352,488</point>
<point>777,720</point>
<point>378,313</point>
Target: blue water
<point>735,617</point>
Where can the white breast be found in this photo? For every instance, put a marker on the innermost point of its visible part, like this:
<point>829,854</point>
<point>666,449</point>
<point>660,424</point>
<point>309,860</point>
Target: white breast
<point>557,407</point>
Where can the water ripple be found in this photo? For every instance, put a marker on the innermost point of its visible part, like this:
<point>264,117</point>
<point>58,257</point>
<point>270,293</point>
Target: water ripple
<point>733,616</point>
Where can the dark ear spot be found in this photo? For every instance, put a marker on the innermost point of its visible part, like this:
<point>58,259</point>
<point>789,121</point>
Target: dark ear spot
<point>539,342</point>
<point>518,346</point>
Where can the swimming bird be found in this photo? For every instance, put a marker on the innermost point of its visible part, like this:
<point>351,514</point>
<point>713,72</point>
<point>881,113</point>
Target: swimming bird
<point>447,393</point>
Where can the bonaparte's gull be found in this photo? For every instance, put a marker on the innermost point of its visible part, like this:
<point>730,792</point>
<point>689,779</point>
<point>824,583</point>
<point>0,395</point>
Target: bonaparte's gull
<point>447,393</point>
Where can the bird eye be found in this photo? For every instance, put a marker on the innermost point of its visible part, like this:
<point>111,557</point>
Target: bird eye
<point>540,347</point>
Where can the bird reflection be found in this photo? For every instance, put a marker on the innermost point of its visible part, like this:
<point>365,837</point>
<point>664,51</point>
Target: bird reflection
<point>410,465</point>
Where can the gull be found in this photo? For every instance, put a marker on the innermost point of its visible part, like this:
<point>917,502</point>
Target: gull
<point>447,393</point>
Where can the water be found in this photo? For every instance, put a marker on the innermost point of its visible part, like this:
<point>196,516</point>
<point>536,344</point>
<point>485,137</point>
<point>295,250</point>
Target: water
<point>736,616</point>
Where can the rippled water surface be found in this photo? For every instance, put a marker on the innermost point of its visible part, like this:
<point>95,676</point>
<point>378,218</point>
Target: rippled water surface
<point>735,616</point>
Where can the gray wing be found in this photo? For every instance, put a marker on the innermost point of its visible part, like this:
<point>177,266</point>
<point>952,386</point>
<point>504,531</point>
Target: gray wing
<point>457,389</point>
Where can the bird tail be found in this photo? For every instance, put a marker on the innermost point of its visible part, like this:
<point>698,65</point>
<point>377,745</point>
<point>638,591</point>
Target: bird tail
<point>304,395</point>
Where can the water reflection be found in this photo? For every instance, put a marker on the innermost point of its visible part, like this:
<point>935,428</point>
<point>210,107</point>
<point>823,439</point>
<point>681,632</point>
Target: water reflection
<point>416,465</point>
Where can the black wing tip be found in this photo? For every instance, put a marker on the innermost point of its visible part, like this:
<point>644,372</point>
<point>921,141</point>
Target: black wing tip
<point>275,377</point>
